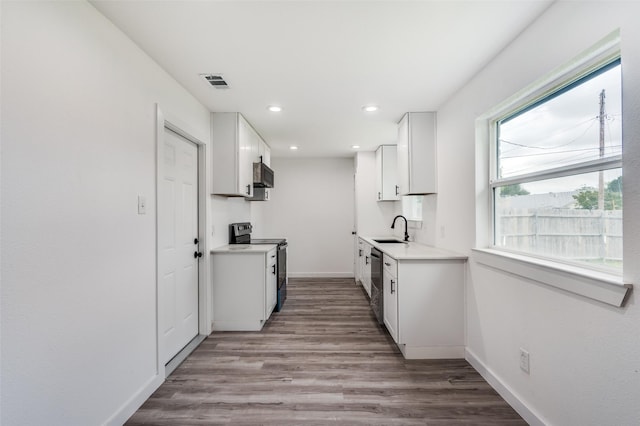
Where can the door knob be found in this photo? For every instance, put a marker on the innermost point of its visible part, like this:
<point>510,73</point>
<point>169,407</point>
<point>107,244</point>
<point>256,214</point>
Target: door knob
<point>197,254</point>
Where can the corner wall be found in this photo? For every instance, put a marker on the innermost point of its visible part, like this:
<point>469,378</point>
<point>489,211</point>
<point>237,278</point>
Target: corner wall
<point>78,297</point>
<point>585,368</point>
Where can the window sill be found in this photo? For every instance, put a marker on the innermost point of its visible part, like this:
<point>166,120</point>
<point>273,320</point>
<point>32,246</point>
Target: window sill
<point>600,286</point>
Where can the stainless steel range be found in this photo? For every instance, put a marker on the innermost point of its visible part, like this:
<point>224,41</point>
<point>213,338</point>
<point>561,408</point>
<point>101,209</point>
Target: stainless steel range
<point>240,233</point>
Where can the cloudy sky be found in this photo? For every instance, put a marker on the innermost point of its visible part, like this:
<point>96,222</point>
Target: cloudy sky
<point>562,131</point>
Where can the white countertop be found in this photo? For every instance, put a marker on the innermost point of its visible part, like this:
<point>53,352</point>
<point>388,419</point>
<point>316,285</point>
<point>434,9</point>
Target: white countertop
<point>412,250</point>
<point>244,248</point>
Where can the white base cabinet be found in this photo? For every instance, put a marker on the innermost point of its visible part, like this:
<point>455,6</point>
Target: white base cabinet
<point>424,307</point>
<point>390,295</point>
<point>244,289</point>
<point>359,261</point>
<point>366,267</point>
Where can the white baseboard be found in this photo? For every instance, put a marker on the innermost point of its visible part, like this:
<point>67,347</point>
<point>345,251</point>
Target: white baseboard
<point>321,275</point>
<point>136,401</point>
<point>528,414</point>
<point>432,352</point>
<point>248,325</point>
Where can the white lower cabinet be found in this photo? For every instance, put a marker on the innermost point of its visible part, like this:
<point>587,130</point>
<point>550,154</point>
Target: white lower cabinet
<point>366,268</point>
<point>359,261</point>
<point>244,289</point>
<point>271,287</point>
<point>424,307</point>
<point>363,266</point>
<point>390,295</point>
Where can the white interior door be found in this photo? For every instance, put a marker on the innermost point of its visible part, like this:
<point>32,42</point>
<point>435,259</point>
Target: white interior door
<point>177,239</point>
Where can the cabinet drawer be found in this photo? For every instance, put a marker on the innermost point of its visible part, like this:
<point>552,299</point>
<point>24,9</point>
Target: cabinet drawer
<point>390,265</point>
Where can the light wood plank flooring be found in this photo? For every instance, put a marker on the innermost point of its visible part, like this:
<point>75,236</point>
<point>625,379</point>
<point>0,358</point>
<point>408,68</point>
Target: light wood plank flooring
<point>322,360</point>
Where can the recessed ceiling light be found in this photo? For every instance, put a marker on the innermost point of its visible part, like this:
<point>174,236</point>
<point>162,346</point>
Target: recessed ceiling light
<point>274,108</point>
<point>293,147</point>
<point>370,108</point>
<point>355,146</point>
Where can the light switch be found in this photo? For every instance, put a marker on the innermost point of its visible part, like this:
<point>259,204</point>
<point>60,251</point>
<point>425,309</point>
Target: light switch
<point>142,204</point>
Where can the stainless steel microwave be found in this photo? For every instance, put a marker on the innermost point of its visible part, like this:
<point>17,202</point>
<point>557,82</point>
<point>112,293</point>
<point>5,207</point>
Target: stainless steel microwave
<point>262,176</point>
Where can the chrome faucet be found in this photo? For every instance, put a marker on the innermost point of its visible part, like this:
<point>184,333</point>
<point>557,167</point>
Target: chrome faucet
<point>406,234</point>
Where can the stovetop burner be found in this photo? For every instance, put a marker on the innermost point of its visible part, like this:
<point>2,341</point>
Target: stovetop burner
<point>277,241</point>
<point>240,233</point>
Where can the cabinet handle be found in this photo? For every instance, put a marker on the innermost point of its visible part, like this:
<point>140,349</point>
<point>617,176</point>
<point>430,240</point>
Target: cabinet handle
<point>359,252</point>
<point>387,263</point>
<point>392,289</point>
<point>397,190</point>
<point>274,269</point>
<point>195,241</point>
<point>197,254</point>
<point>379,196</point>
<point>366,260</point>
<point>248,189</point>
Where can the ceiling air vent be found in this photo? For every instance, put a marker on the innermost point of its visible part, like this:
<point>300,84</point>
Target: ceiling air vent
<point>216,80</point>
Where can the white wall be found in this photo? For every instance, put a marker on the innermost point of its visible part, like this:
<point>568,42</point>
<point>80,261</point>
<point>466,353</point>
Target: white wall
<point>585,363</point>
<point>373,218</point>
<point>78,263</point>
<point>312,206</point>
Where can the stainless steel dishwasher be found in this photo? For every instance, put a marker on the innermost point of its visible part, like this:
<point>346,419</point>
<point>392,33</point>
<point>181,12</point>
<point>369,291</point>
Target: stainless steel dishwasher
<point>376,284</point>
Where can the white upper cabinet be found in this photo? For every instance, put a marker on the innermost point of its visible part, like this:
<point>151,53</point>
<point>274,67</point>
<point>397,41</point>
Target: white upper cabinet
<point>264,152</point>
<point>416,151</point>
<point>234,149</point>
<point>386,173</point>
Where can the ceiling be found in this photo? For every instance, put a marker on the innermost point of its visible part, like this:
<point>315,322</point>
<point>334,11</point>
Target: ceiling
<point>322,61</point>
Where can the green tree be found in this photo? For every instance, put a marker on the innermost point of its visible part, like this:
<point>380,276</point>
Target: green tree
<point>613,194</point>
<point>512,190</point>
<point>587,198</point>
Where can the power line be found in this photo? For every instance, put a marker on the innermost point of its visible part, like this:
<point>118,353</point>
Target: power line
<point>560,152</point>
<point>592,120</point>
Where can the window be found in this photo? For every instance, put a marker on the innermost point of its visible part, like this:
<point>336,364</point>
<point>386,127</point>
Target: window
<point>557,173</point>
<point>412,207</point>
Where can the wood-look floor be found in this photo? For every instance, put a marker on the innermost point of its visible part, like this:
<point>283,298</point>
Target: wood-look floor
<point>322,360</point>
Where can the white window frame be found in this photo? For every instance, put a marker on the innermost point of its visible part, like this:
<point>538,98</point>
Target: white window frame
<point>602,286</point>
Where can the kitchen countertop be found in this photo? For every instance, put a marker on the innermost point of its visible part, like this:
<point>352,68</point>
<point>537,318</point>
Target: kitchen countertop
<point>412,250</point>
<point>244,248</point>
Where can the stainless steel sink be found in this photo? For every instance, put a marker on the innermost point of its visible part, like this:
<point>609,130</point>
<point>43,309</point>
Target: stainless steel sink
<point>389,241</point>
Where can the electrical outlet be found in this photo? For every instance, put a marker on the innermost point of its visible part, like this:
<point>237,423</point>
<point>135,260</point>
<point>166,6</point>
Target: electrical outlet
<point>142,204</point>
<point>524,360</point>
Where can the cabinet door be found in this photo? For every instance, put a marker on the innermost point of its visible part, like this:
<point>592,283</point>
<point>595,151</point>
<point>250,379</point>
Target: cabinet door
<point>416,152</point>
<point>359,261</point>
<point>265,153</point>
<point>422,153</point>
<point>271,286</point>
<point>390,303</point>
<point>379,174</point>
<point>402,152</point>
<point>387,172</point>
<point>246,153</point>
<point>228,129</point>
<point>366,273</point>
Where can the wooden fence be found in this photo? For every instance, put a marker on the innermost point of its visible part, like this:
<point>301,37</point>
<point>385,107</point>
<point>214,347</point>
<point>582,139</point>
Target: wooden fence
<point>586,235</point>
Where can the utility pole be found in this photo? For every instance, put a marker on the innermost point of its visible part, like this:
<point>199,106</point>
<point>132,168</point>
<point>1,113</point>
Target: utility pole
<point>600,173</point>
